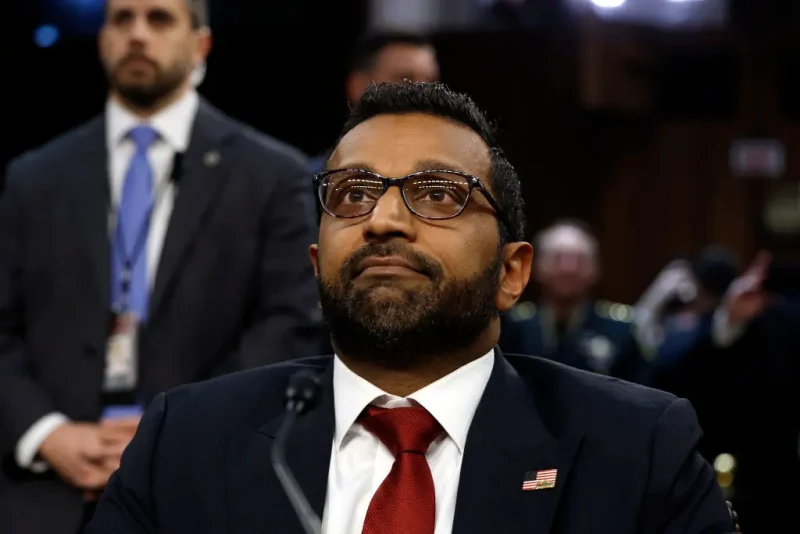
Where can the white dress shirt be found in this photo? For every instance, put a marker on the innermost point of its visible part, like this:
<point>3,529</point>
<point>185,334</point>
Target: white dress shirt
<point>174,127</point>
<point>360,461</point>
<point>723,333</point>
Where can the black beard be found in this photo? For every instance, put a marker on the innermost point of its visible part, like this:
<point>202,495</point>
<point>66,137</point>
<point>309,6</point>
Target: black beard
<point>147,96</point>
<point>413,325</point>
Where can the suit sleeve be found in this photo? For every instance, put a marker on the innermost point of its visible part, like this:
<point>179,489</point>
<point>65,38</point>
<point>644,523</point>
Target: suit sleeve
<point>126,506</point>
<point>683,496</point>
<point>22,400</point>
<point>287,322</point>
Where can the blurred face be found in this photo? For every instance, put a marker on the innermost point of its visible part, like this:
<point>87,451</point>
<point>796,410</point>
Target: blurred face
<point>566,266</point>
<point>394,64</point>
<point>149,49</point>
<point>396,288</point>
<point>399,62</point>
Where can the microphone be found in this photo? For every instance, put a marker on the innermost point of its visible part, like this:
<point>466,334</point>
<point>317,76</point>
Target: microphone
<point>302,395</point>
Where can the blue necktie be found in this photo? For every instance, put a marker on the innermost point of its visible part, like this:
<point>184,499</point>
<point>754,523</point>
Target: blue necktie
<point>129,290</point>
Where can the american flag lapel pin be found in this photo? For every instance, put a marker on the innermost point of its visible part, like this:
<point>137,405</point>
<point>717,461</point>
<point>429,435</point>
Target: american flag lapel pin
<point>536,480</point>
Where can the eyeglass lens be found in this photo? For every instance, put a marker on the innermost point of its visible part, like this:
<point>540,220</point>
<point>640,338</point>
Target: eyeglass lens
<point>430,195</point>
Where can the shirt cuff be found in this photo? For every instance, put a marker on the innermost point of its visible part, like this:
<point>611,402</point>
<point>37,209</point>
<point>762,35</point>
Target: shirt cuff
<point>30,442</point>
<point>723,333</point>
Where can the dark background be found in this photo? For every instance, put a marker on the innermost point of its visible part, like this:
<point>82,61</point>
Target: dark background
<point>625,126</point>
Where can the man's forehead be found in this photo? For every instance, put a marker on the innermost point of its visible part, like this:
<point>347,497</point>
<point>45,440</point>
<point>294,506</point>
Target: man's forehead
<point>567,239</point>
<point>395,145</point>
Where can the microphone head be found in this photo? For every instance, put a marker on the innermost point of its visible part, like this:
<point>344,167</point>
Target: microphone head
<point>303,391</point>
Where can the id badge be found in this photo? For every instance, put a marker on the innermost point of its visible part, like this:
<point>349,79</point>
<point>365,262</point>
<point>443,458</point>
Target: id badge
<point>121,354</point>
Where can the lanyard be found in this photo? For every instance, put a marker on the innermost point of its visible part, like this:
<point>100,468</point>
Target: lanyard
<point>127,260</point>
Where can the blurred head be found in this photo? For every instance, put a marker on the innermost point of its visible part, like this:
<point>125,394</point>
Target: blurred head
<point>566,260</point>
<point>391,58</point>
<point>395,287</point>
<point>149,48</point>
<point>714,269</point>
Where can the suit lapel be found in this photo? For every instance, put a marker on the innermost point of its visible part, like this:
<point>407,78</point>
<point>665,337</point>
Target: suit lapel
<point>256,499</point>
<point>202,173</point>
<point>506,440</point>
<point>89,200</point>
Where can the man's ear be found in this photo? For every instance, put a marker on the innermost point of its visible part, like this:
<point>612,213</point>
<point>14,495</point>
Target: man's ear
<point>515,274</point>
<point>313,253</point>
<point>203,45</point>
<point>355,86</point>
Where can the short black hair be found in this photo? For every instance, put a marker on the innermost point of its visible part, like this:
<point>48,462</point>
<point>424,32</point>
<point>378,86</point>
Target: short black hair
<point>439,100</point>
<point>369,46</point>
<point>715,268</point>
<point>198,11</point>
<point>567,222</point>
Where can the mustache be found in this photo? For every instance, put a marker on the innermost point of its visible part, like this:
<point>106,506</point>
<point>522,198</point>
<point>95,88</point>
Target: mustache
<point>418,261</point>
<point>135,56</point>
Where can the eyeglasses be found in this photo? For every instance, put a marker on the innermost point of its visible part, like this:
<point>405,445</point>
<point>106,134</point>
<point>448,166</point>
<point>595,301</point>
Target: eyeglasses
<point>436,195</point>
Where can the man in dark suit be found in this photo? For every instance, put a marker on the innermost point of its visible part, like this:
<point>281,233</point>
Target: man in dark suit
<point>159,244</point>
<point>423,426</point>
<point>568,326</point>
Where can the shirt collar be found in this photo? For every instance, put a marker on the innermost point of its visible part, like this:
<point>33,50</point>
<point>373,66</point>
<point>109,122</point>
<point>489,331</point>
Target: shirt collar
<point>173,123</point>
<point>452,400</point>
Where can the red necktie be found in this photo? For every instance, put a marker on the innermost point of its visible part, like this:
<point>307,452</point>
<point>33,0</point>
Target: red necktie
<point>405,502</point>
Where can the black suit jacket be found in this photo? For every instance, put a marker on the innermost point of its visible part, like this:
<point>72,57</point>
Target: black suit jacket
<point>748,400</point>
<point>625,456</point>
<point>234,287</point>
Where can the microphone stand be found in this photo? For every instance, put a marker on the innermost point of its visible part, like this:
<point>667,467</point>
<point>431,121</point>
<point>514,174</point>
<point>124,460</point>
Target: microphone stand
<point>294,407</point>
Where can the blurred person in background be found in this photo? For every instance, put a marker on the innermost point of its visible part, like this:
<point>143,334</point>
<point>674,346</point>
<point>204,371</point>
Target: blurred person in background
<point>386,57</point>
<point>568,325</point>
<point>740,370</point>
<point>675,314</point>
<point>160,243</point>
<point>757,403</point>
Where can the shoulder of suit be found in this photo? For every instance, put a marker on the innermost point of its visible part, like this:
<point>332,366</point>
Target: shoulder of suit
<point>266,145</point>
<point>35,169</point>
<point>60,149</point>
<point>523,311</point>
<point>598,398</point>
<point>614,311</point>
<point>234,392</point>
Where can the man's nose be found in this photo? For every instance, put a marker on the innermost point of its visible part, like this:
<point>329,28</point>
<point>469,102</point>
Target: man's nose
<point>390,218</point>
<point>140,30</point>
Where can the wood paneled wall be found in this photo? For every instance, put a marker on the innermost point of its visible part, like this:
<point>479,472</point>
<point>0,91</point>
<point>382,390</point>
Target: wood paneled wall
<point>653,185</point>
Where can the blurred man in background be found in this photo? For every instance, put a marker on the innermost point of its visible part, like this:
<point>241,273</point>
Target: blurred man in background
<point>568,326</point>
<point>389,57</point>
<point>675,314</point>
<point>757,333</point>
<point>161,243</point>
<point>738,366</point>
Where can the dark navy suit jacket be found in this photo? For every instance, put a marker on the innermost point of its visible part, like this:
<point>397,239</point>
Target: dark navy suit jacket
<point>234,287</point>
<point>625,456</point>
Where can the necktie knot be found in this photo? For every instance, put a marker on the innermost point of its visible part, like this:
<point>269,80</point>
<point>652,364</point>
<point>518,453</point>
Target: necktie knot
<point>143,137</point>
<point>411,429</point>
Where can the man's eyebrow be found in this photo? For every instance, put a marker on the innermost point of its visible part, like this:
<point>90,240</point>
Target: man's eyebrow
<point>356,165</point>
<point>427,164</point>
<point>438,165</point>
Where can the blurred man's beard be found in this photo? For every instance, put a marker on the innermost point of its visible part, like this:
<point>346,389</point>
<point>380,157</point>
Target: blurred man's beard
<point>409,325</point>
<point>146,95</point>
